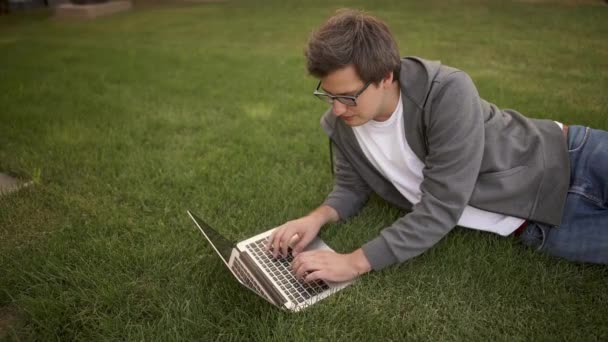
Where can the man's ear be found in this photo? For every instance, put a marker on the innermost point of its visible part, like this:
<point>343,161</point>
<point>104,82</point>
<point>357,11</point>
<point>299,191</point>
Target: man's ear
<point>388,79</point>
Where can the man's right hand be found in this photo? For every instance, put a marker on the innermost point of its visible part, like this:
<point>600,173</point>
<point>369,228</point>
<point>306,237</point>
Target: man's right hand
<point>299,232</point>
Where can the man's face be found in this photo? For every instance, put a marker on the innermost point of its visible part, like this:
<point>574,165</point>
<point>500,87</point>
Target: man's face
<point>370,102</point>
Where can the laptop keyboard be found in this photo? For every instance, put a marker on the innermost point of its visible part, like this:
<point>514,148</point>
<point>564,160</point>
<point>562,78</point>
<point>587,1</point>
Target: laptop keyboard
<point>282,275</point>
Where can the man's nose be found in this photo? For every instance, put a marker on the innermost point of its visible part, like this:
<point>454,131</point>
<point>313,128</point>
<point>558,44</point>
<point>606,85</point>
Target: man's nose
<point>339,108</point>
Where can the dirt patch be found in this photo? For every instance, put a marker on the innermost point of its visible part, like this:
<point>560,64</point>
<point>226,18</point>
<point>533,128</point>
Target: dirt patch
<point>9,316</point>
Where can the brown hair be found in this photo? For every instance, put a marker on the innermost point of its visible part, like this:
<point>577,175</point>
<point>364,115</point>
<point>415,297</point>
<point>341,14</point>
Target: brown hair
<point>353,37</point>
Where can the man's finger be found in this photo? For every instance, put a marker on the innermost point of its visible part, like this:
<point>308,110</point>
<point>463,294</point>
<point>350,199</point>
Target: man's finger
<point>302,243</point>
<point>276,244</point>
<point>320,274</point>
<point>296,265</point>
<point>307,265</point>
<point>273,236</point>
<point>285,244</point>
<point>297,261</point>
<point>294,239</point>
<point>270,239</point>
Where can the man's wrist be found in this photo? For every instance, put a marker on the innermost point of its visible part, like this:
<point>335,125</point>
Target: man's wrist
<point>360,262</point>
<point>323,214</point>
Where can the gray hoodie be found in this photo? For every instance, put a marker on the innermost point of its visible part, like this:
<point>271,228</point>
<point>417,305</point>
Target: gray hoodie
<point>474,154</point>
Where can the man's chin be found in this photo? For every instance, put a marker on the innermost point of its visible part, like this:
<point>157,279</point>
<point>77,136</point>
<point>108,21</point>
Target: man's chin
<point>352,121</point>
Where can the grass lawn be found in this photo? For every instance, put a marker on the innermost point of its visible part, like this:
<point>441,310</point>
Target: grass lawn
<point>125,122</point>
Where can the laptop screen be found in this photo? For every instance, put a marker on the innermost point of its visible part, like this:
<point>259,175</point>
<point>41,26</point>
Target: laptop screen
<point>221,245</point>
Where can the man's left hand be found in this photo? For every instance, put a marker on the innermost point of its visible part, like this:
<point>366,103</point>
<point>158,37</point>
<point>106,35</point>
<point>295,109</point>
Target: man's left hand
<point>330,266</point>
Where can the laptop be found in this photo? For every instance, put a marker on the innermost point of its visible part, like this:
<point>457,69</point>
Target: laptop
<point>270,278</point>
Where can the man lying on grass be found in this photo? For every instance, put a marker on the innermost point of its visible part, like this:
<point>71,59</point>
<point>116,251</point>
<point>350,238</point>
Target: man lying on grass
<point>417,133</point>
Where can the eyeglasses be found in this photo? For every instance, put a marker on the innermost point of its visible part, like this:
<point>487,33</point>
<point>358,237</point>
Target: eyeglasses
<point>349,100</point>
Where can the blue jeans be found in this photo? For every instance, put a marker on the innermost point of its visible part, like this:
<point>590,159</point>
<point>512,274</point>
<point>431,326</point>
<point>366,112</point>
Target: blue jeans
<point>583,234</point>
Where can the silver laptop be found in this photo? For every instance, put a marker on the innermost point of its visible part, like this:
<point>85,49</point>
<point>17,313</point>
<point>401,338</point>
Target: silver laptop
<point>270,278</point>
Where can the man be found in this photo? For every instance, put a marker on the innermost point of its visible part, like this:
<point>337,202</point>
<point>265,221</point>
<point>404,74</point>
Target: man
<point>417,133</point>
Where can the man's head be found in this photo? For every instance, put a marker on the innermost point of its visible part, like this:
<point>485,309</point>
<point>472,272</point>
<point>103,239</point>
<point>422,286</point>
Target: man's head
<point>350,51</point>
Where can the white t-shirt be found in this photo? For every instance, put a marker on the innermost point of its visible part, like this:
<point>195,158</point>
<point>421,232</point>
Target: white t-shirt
<point>385,146</point>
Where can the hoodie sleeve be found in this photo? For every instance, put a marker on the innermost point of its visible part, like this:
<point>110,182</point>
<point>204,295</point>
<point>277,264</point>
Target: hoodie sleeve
<point>350,191</point>
<point>455,138</point>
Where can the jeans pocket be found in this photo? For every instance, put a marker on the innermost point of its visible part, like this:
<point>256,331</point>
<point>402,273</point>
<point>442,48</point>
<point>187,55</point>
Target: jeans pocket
<point>576,140</point>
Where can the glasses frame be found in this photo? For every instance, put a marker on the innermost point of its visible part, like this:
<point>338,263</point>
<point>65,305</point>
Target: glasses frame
<point>349,100</point>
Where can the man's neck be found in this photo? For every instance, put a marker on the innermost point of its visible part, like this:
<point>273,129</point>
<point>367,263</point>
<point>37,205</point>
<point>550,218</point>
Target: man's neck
<point>391,102</point>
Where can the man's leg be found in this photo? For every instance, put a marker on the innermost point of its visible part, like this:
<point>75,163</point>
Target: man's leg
<point>583,234</point>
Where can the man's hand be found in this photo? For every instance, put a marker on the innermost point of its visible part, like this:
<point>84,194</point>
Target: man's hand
<point>330,266</point>
<point>300,232</point>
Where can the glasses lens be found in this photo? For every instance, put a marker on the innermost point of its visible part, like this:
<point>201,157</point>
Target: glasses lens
<point>324,98</point>
<point>347,101</point>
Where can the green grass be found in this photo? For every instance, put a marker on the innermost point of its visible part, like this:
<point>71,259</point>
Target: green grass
<point>127,121</point>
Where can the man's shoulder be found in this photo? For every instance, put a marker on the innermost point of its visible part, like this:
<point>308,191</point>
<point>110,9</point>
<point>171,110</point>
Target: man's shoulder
<point>416,78</point>
<point>422,80</point>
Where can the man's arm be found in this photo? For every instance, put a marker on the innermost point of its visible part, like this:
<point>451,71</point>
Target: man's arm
<point>350,191</point>
<point>325,214</point>
<point>317,264</point>
<point>349,194</point>
<point>300,231</point>
<point>455,134</point>
<point>332,266</point>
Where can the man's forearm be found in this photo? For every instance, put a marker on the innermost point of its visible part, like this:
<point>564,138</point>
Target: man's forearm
<point>358,259</point>
<point>324,214</point>
<point>360,262</point>
<point>356,262</point>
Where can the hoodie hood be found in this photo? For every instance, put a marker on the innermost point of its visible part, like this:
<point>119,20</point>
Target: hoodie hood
<point>416,79</point>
